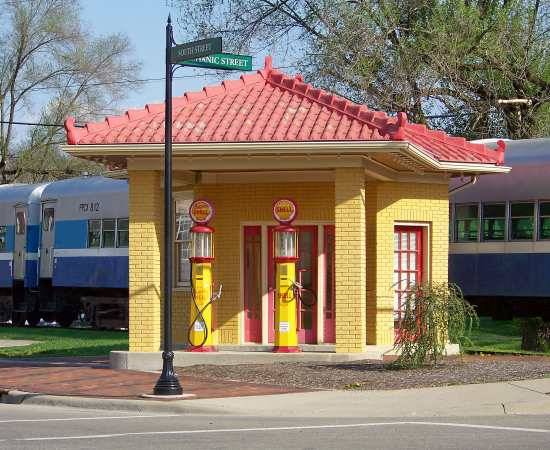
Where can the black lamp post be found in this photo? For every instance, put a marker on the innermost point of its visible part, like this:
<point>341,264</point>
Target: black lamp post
<point>168,383</point>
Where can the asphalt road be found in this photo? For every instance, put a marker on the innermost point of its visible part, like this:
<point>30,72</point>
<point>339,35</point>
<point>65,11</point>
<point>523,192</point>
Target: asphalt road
<point>28,426</point>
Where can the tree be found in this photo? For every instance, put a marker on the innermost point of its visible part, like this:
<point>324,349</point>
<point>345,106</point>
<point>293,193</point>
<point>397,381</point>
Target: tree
<point>476,68</point>
<point>51,67</point>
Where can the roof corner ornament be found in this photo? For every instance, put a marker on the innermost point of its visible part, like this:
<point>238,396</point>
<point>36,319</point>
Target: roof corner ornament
<point>501,148</point>
<point>268,63</point>
<point>73,134</point>
<point>398,134</point>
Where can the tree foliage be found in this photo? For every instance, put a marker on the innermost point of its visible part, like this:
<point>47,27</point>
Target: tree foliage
<point>51,66</point>
<point>433,315</point>
<point>456,60</point>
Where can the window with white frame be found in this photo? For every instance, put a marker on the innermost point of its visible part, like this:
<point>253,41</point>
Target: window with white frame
<point>107,233</point>
<point>183,240</point>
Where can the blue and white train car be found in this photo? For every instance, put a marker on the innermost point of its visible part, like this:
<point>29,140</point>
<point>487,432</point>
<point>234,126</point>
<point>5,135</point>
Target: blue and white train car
<point>84,250</point>
<point>500,235</point>
<point>19,249</point>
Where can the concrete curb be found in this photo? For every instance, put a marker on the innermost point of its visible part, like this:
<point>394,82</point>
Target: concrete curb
<point>15,397</point>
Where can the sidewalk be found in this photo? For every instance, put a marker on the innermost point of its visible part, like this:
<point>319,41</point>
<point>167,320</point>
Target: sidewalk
<point>93,385</point>
<point>92,377</point>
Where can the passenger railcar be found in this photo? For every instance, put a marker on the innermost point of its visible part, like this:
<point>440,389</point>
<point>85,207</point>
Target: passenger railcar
<point>75,251</point>
<point>19,237</point>
<point>500,235</point>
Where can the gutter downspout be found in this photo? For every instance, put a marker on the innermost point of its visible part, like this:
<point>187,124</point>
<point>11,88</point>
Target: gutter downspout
<point>471,182</point>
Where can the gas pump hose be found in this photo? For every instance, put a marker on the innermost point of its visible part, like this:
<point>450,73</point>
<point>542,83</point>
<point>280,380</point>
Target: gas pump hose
<point>199,316</point>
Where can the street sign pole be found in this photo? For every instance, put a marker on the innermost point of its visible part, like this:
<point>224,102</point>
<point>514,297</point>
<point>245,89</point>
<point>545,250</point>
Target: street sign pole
<point>168,383</point>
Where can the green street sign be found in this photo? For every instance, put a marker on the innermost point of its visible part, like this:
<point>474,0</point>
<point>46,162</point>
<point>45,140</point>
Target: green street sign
<point>195,49</point>
<point>222,61</point>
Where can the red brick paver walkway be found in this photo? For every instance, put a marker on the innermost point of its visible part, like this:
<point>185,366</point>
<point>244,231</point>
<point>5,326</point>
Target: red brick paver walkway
<point>93,378</point>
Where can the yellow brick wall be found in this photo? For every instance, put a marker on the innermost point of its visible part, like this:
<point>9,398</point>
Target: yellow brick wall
<point>145,286</point>
<point>350,262</point>
<point>235,204</point>
<point>387,203</point>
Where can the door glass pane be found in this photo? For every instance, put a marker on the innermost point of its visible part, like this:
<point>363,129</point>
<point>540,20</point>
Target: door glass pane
<point>412,261</point>
<point>396,241</point>
<point>404,265</point>
<point>404,241</point>
<point>20,222</point>
<point>47,219</point>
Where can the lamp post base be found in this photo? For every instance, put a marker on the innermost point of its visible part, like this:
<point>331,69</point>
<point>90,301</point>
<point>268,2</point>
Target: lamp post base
<point>168,383</point>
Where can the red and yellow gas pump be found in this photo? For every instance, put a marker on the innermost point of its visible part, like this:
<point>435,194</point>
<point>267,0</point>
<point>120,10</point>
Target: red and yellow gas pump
<point>200,336</point>
<point>285,252</point>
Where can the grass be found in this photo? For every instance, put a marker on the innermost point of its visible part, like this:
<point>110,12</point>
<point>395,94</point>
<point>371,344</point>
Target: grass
<point>498,336</point>
<point>63,342</point>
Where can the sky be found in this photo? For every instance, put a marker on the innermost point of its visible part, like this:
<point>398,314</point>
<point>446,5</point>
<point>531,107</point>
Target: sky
<point>144,21</point>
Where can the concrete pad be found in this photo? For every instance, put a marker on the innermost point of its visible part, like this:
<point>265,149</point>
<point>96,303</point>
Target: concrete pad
<point>541,385</point>
<point>250,354</point>
<point>152,361</point>
<point>16,342</point>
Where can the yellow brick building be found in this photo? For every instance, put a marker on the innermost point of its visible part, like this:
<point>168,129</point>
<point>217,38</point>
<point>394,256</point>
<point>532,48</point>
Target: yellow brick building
<point>371,192</point>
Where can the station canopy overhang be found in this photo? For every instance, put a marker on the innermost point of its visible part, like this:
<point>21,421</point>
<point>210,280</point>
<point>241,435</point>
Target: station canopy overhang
<point>270,121</point>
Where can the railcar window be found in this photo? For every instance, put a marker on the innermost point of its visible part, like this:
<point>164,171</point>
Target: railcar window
<point>20,223</point>
<point>466,222</point>
<point>108,233</point>
<point>494,221</point>
<point>522,220</point>
<point>122,233</point>
<point>3,237</point>
<point>544,220</point>
<point>183,241</point>
<point>47,219</point>
<point>94,233</point>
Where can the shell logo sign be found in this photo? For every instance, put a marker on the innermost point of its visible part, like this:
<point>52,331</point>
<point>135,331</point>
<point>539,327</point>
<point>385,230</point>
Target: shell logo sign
<point>284,210</point>
<point>201,211</point>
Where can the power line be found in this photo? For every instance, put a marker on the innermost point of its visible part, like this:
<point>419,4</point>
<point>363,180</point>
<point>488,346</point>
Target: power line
<point>141,80</point>
<point>31,123</point>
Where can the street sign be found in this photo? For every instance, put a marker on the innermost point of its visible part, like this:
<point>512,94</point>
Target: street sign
<point>195,49</point>
<point>222,61</point>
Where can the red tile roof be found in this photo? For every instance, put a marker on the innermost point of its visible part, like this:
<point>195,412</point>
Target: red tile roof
<point>272,106</point>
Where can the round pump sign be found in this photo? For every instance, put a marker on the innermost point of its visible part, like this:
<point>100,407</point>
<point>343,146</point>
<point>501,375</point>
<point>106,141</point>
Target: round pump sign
<point>284,210</point>
<point>201,212</point>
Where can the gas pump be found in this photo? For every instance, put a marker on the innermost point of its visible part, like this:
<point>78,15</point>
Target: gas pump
<point>285,254</point>
<point>199,334</point>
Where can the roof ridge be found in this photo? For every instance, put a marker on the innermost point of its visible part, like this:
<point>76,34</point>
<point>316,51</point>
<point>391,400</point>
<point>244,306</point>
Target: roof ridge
<point>333,101</point>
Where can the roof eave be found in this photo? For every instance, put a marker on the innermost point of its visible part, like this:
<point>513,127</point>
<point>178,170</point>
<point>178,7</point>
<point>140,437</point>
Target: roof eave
<point>280,148</point>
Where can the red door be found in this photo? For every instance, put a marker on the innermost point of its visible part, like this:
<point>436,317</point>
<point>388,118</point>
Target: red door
<point>329,329</point>
<point>407,266</point>
<point>252,284</point>
<point>307,268</point>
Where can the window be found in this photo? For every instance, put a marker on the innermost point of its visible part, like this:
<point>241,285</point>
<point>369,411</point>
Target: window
<point>108,233</point>
<point>20,222</point>
<point>3,237</point>
<point>122,233</point>
<point>494,221</point>
<point>522,220</point>
<point>544,220</point>
<point>466,222</point>
<point>94,233</point>
<point>183,242</point>
<point>47,219</point>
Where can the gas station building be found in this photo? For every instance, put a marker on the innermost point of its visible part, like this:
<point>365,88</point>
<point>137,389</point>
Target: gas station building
<point>371,192</point>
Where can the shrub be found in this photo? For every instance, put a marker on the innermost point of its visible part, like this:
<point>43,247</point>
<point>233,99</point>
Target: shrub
<point>434,314</point>
<point>535,334</point>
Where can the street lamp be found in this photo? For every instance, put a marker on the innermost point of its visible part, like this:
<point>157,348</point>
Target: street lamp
<point>168,383</point>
